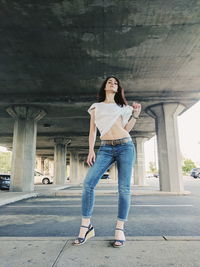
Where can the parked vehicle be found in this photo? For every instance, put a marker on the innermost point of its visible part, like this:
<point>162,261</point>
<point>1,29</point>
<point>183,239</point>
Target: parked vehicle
<point>152,175</point>
<point>149,175</point>
<point>4,181</point>
<point>105,176</point>
<point>39,178</point>
<point>195,172</point>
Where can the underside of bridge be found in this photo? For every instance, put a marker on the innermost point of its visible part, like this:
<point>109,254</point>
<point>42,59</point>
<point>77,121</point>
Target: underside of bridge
<point>54,55</point>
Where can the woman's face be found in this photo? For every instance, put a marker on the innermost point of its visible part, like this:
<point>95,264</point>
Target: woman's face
<point>111,85</point>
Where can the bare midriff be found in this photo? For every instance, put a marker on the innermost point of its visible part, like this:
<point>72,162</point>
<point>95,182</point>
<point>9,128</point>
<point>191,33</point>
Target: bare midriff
<point>116,131</point>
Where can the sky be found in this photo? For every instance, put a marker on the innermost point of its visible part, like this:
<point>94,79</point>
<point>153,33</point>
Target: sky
<point>189,137</point>
<point>3,149</point>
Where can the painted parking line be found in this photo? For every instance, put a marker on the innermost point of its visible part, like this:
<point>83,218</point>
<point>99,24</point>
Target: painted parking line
<point>97,205</point>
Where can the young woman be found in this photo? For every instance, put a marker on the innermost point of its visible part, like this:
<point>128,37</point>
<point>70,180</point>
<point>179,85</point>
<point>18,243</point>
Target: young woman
<point>111,116</point>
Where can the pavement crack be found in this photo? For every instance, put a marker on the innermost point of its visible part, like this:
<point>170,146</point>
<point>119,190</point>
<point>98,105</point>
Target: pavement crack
<point>56,260</point>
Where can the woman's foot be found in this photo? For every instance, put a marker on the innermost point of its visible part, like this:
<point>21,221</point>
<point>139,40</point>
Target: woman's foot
<point>83,230</point>
<point>86,232</point>
<point>119,237</point>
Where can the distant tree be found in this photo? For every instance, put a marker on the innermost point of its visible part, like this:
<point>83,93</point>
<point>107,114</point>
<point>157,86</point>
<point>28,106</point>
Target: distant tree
<point>152,167</point>
<point>188,165</point>
<point>5,162</point>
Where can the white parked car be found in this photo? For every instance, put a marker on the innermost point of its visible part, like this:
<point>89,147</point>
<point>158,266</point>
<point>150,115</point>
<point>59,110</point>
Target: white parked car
<point>40,178</point>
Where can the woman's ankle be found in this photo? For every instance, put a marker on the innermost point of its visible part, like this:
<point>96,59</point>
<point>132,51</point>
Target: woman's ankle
<point>85,221</point>
<point>120,224</point>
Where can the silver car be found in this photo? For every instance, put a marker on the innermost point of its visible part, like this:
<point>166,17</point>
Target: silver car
<point>195,172</point>
<point>40,178</point>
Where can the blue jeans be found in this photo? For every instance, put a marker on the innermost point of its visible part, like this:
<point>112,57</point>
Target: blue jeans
<point>124,155</point>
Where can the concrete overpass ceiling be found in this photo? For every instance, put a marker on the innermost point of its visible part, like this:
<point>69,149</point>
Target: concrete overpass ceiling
<point>55,55</point>
<point>66,47</point>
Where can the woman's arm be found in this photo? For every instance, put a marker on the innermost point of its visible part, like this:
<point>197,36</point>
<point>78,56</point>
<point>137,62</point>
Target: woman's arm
<point>128,127</point>
<point>134,116</point>
<point>92,138</point>
<point>93,131</point>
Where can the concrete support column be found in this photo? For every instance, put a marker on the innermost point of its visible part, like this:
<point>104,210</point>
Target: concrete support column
<point>85,167</point>
<point>24,146</point>
<point>139,167</point>
<point>169,159</point>
<point>60,160</point>
<point>51,168</point>
<point>68,165</point>
<point>40,164</point>
<point>74,167</point>
<point>81,170</point>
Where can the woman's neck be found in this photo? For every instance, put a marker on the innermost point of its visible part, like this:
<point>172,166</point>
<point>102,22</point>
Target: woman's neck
<point>109,98</point>
<point>108,102</point>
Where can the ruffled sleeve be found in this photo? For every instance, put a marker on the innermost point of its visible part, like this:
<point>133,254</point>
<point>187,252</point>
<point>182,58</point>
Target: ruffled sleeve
<point>127,111</point>
<point>92,107</point>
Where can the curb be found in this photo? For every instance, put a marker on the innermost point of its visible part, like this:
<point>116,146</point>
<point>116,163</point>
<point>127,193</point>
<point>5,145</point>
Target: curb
<point>107,192</point>
<point>17,198</point>
<point>11,199</point>
<point>103,238</point>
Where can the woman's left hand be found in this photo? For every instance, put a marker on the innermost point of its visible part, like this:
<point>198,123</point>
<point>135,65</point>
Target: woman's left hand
<point>136,109</point>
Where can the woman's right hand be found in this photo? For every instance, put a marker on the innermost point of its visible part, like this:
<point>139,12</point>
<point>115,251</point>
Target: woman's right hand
<point>91,158</point>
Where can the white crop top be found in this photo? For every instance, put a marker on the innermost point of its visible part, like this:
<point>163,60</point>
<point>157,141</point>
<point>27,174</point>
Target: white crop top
<point>107,113</point>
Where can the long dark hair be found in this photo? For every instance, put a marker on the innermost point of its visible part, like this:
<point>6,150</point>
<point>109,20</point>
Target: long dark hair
<point>119,95</point>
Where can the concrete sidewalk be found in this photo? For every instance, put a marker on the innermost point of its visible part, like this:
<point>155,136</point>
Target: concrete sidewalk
<point>152,251</point>
<point>7,197</point>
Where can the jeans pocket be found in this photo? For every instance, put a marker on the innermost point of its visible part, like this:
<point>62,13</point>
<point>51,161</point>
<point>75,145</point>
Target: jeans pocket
<point>129,143</point>
<point>102,148</point>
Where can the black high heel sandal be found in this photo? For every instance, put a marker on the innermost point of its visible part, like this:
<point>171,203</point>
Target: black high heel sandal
<point>90,233</point>
<point>117,240</point>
